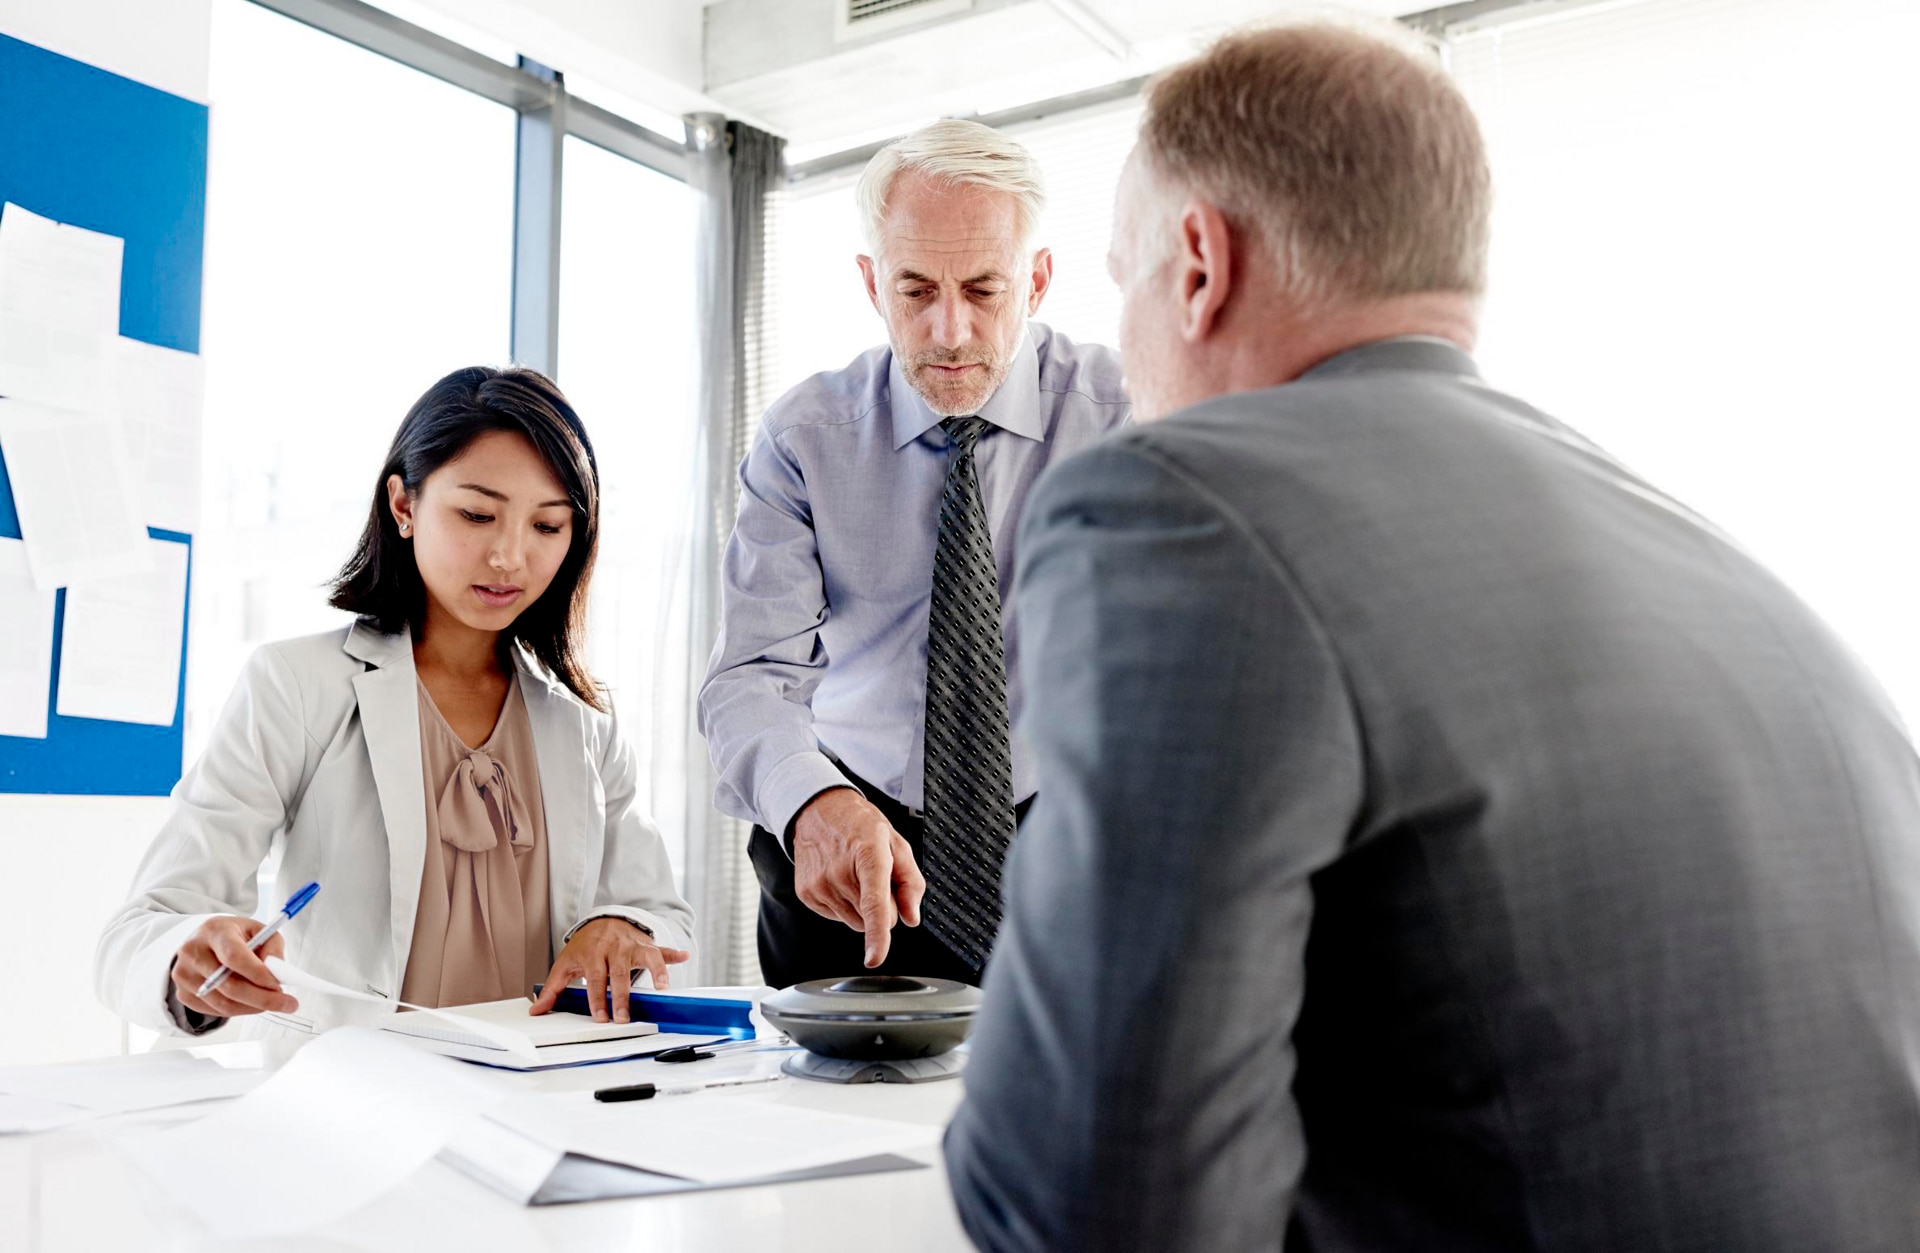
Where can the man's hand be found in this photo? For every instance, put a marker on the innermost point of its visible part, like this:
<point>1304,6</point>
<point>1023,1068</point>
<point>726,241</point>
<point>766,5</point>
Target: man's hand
<point>850,864</point>
<point>607,951</point>
<point>250,989</point>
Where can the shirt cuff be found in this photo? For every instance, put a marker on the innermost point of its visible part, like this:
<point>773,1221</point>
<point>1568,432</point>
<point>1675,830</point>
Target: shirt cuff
<point>790,785</point>
<point>189,1021</point>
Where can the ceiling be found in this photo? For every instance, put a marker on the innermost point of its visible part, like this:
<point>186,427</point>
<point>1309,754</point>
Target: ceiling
<point>777,63</point>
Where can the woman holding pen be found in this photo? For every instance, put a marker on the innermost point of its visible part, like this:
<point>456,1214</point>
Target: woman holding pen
<point>445,768</point>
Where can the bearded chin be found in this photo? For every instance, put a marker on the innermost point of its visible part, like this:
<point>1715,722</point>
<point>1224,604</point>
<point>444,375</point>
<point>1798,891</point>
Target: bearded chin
<point>950,403</point>
<point>957,403</point>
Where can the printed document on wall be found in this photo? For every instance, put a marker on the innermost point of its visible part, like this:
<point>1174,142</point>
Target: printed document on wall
<point>159,393</point>
<point>26,662</point>
<point>120,644</point>
<point>78,505</point>
<point>59,311</point>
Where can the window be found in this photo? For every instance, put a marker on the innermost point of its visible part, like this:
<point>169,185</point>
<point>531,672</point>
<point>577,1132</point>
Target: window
<point>359,246</point>
<point>1703,258</point>
<point>1081,156</point>
<point>627,362</point>
<point>824,317</point>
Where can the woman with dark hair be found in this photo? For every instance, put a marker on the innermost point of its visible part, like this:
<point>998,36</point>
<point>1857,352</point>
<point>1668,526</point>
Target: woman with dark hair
<point>445,768</point>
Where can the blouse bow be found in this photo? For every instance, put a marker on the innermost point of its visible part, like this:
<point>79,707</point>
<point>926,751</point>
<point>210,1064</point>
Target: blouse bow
<point>480,810</point>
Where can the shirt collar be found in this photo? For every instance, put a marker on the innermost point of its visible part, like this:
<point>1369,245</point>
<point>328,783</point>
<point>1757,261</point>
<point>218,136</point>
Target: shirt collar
<point>1014,407</point>
<point>1402,352</point>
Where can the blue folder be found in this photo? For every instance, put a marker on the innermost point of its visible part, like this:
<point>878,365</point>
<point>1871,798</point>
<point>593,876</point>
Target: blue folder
<point>685,1015</point>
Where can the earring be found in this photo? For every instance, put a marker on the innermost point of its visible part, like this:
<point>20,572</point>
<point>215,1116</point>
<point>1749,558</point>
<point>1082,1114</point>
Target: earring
<point>406,528</point>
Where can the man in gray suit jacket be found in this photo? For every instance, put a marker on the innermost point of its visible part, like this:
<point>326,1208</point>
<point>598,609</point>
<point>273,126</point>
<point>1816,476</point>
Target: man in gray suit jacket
<point>1446,840</point>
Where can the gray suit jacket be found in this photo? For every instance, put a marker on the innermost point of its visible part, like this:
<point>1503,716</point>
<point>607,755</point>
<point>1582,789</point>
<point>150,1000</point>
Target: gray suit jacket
<point>1444,841</point>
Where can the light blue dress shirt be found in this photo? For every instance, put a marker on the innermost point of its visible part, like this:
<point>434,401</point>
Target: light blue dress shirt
<point>827,579</point>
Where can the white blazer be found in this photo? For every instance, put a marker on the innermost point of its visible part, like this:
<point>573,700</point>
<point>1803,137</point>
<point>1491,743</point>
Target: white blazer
<point>320,741</point>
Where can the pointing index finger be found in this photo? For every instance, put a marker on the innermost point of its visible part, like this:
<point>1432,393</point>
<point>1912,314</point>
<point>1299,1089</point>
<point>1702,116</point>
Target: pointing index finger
<point>876,904</point>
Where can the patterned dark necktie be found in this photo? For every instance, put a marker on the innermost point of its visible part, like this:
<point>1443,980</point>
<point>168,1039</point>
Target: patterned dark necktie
<point>969,769</point>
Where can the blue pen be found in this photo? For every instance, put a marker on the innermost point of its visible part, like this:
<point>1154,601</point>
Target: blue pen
<point>295,903</point>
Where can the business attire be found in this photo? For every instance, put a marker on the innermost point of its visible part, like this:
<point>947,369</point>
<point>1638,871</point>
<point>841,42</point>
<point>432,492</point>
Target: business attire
<point>819,677</point>
<point>448,874</point>
<point>1448,841</point>
<point>481,932</point>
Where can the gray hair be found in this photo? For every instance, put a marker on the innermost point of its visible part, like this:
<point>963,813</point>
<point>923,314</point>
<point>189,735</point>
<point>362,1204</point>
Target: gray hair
<point>959,152</point>
<point>1346,147</point>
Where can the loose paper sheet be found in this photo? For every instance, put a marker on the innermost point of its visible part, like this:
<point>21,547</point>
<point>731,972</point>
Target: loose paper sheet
<point>709,1139</point>
<point>121,1085</point>
<point>59,311</point>
<point>75,493</point>
<point>26,659</point>
<point>158,395</point>
<point>23,1114</point>
<point>121,642</point>
<point>350,1117</point>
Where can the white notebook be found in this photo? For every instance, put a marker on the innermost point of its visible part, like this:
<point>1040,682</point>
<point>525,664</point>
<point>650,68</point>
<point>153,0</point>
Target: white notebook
<point>511,1015</point>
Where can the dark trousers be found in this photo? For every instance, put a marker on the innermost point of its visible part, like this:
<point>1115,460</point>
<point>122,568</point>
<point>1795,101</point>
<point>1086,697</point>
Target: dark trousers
<point>797,944</point>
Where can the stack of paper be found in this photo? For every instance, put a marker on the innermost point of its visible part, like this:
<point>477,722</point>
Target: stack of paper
<point>101,439</point>
<point>500,1033</point>
<point>38,1098</point>
<point>543,1032</point>
<point>553,1056</point>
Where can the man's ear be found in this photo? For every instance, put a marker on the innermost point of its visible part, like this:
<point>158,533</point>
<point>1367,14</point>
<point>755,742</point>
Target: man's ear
<point>1041,281</point>
<point>871,277</point>
<point>1204,268</point>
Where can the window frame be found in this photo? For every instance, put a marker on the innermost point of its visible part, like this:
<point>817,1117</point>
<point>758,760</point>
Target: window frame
<point>546,114</point>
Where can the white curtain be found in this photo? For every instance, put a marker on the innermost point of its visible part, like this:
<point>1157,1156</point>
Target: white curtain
<point>736,175</point>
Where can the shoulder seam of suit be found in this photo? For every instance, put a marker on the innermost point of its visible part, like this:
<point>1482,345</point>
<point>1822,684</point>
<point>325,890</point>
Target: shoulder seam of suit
<point>1146,451</point>
<point>276,657</point>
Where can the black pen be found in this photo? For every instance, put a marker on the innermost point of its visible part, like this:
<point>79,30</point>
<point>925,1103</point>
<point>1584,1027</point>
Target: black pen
<point>647,1091</point>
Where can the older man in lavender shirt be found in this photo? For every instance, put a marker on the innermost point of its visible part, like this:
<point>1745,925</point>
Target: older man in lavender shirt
<point>860,764</point>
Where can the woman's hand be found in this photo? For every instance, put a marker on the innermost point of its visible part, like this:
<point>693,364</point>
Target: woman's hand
<point>607,951</point>
<point>249,989</point>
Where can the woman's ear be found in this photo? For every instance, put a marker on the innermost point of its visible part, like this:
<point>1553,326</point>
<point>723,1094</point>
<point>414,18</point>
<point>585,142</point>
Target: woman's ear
<point>401,504</point>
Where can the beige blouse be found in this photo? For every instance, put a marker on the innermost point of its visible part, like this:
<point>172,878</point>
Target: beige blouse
<point>482,930</point>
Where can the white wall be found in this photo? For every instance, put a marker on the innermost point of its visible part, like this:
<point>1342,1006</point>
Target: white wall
<point>69,860</point>
<point>162,43</point>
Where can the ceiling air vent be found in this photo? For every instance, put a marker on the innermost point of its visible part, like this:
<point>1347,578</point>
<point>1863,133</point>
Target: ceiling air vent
<point>858,19</point>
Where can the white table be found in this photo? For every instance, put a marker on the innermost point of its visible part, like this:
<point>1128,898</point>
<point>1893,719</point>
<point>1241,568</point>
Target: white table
<point>68,1191</point>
